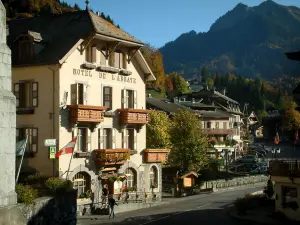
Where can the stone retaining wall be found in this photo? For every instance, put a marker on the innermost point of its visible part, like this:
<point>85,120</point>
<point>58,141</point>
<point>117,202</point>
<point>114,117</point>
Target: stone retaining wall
<point>235,182</point>
<point>59,210</point>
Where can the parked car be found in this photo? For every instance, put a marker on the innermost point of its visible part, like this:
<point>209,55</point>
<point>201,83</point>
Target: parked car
<point>248,158</point>
<point>259,169</point>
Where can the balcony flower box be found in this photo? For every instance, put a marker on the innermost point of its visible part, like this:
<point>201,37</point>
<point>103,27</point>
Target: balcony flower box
<point>88,65</point>
<point>125,72</point>
<point>108,69</point>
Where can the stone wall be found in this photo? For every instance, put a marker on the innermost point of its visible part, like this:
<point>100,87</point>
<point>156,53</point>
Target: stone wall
<point>235,182</point>
<point>59,210</point>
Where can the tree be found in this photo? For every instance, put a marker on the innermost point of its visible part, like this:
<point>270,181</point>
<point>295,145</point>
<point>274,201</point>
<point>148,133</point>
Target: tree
<point>204,74</point>
<point>189,144</point>
<point>291,116</point>
<point>158,135</point>
<point>210,82</point>
<point>269,190</point>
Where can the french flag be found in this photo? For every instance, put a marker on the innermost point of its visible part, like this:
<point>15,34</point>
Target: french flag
<point>67,149</point>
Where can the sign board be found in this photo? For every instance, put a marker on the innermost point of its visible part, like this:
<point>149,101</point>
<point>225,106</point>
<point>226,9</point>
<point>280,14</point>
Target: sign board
<point>52,152</point>
<point>50,142</point>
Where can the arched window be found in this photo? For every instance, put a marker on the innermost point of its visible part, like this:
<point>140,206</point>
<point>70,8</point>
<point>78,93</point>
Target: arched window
<point>153,177</point>
<point>131,177</point>
<point>82,182</point>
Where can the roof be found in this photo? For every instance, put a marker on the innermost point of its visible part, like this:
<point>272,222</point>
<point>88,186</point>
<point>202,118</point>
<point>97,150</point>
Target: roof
<point>218,94</point>
<point>164,104</point>
<point>214,114</point>
<point>293,55</point>
<point>69,28</point>
<point>198,105</point>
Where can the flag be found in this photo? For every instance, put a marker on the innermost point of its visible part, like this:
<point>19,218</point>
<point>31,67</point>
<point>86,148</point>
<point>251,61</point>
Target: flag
<point>67,149</point>
<point>21,147</point>
<point>276,139</point>
<point>296,137</point>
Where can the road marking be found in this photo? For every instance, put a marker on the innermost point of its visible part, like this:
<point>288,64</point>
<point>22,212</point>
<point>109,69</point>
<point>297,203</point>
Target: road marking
<point>202,206</point>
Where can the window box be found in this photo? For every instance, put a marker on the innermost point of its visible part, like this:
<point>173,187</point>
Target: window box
<point>106,157</point>
<point>125,72</point>
<point>156,155</point>
<point>108,69</point>
<point>86,113</point>
<point>82,154</point>
<point>133,116</point>
<point>87,65</point>
<point>24,111</point>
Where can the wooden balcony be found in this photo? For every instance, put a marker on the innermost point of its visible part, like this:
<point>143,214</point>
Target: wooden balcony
<point>284,168</point>
<point>86,113</point>
<point>109,157</point>
<point>156,155</point>
<point>133,116</point>
<point>210,131</point>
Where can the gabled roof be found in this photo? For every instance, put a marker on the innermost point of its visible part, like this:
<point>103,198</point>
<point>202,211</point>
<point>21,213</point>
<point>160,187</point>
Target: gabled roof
<point>164,105</point>
<point>61,32</point>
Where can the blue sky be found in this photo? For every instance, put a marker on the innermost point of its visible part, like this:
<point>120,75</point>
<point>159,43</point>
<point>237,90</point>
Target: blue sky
<point>160,21</point>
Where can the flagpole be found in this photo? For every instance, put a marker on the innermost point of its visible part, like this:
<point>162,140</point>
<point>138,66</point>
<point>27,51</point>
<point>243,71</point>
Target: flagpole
<point>71,158</point>
<point>19,170</point>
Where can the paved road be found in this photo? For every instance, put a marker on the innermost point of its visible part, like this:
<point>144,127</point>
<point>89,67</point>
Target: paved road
<point>199,209</point>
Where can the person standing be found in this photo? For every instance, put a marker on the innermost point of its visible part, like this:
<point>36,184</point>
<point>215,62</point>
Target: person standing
<point>111,203</point>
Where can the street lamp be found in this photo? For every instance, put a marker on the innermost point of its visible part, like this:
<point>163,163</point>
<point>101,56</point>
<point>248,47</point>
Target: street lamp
<point>275,152</point>
<point>226,153</point>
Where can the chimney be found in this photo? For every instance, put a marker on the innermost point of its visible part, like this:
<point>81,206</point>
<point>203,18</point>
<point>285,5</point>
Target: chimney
<point>224,91</point>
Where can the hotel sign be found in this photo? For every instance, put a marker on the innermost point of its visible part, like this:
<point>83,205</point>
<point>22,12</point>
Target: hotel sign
<point>104,76</point>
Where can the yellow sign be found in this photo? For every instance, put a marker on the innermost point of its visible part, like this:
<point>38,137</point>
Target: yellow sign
<point>52,152</point>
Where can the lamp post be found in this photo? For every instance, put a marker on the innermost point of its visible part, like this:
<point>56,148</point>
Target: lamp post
<point>226,153</point>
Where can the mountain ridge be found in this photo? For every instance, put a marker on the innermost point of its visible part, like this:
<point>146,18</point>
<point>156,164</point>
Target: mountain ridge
<point>249,41</point>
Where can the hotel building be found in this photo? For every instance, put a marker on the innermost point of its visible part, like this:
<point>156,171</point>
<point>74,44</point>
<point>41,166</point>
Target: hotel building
<point>77,75</point>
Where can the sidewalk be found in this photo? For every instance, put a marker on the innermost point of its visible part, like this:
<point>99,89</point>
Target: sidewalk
<point>261,215</point>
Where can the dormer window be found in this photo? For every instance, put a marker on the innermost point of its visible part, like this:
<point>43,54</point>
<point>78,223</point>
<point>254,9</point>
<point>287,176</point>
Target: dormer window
<point>26,50</point>
<point>91,54</point>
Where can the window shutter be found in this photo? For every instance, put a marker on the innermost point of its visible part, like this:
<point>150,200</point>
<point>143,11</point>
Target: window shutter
<point>135,140</point>
<point>124,138</point>
<point>74,96</point>
<point>85,97</point>
<point>100,138</point>
<point>111,60</point>
<point>34,94</point>
<point>94,53</point>
<point>34,140</point>
<point>113,134</point>
<point>17,93</point>
<point>117,60</point>
<point>88,53</point>
<point>124,60</point>
<point>121,61</point>
<point>17,134</point>
<point>123,98</point>
<point>110,97</point>
<point>135,99</point>
<point>88,140</point>
<point>102,57</point>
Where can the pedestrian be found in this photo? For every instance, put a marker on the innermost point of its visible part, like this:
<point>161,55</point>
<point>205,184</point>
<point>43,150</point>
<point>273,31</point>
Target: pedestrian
<point>111,203</point>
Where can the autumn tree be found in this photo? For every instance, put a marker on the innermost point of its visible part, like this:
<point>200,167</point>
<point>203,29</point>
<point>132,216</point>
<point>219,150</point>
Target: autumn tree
<point>189,144</point>
<point>291,116</point>
<point>158,135</point>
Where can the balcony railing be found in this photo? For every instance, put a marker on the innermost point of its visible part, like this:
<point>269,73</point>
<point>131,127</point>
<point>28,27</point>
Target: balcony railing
<point>108,157</point>
<point>210,131</point>
<point>134,116</point>
<point>156,155</point>
<point>284,168</point>
<point>86,113</point>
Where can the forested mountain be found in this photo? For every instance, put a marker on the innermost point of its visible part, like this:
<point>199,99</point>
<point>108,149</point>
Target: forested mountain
<point>17,9</point>
<point>249,41</point>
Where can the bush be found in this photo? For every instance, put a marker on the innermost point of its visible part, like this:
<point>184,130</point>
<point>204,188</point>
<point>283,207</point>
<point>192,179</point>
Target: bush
<point>26,194</point>
<point>56,184</point>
